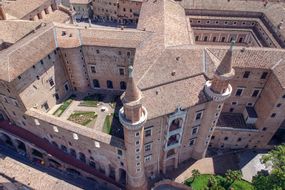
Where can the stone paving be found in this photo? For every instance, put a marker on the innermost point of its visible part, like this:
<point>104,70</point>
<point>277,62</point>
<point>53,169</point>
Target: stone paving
<point>14,174</point>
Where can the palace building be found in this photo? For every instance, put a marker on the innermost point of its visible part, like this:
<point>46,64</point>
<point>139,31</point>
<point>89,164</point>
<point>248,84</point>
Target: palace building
<point>121,106</point>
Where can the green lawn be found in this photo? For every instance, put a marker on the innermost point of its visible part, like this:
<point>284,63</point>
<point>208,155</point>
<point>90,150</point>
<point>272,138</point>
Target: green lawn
<point>82,118</point>
<point>108,124</point>
<point>62,108</point>
<point>91,101</point>
<point>201,182</point>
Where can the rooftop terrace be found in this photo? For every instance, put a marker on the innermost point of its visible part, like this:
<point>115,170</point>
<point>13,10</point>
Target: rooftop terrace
<point>233,120</point>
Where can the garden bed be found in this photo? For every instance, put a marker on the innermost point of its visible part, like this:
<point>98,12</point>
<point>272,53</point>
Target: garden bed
<point>62,108</point>
<point>108,124</point>
<point>83,118</point>
<point>201,182</point>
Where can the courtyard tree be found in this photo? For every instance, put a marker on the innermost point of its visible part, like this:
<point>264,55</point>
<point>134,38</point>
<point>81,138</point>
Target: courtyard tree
<point>275,180</point>
<point>232,176</point>
<point>195,173</point>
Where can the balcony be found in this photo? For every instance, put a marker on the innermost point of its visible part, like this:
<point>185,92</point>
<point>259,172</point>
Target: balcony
<point>173,141</point>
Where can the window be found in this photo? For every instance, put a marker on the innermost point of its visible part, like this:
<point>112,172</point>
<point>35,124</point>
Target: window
<point>137,142</point>
<point>56,96</point>
<point>51,82</point>
<point>147,132</point>
<point>147,147</point>
<point>66,87</point>
<point>278,105</point>
<point>195,130</point>
<point>255,93</point>
<point>250,104</point>
<point>234,103</point>
<point>223,39</point>
<point>264,75</point>
<point>196,38</point>
<point>246,74</point>
<point>109,84</point>
<point>226,138</point>
<point>205,38</point>
<point>240,40</point>
<point>123,85</point>
<point>137,150</point>
<point>147,158</point>
<point>122,71</point>
<point>239,91</point>
<point>273,115</point>
<point>198,115</point>
<point>93,69</point>
<point>96,83</point>
<point>192,142</point>
<point>239,139</point>
<point>137,134</point>
<point>45,106</point>
<point>119,152</point>
<point>214,39</point>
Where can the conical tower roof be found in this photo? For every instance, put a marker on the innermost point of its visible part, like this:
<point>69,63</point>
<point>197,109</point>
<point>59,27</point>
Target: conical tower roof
<point>132,92</point>
<point>225,67</point>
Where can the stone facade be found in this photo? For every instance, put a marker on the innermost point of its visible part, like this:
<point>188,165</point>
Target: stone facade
<point>182,96</point>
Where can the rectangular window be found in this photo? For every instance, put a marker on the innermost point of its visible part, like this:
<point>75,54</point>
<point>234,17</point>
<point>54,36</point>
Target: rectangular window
<point>147,158</point>
<point>264,75</point>
<point>147,147</point>
<point>51,82</point>
<point>120,152</point>
<point>147,132</point>
<point>246,74</point>
<point>256,93</point>
<point>198,115</point>
<point>93,69</point>
<point>195,130</point>
<point>192,142</point>
<point>239,91</point>
<point>122,71</point>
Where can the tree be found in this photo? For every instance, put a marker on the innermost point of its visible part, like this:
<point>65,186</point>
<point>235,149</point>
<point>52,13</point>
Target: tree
<point>276,179</point>
<point>195,173</point>
<point>213,184</point>
<point>232,176</point>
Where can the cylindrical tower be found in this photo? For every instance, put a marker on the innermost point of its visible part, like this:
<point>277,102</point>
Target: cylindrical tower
<point>218,89</point>
<point>133,117</point>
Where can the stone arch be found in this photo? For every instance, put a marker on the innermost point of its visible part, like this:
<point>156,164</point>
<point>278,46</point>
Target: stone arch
<point>21,146</point>
<point>176,124</point>
<point>7,139</point>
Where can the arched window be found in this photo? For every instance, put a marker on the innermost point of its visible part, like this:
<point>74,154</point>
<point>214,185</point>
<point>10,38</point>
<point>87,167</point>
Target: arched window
<point>109,84</point>
<point>123,85</point>
<point>176,124</point>
<point>96,83</point>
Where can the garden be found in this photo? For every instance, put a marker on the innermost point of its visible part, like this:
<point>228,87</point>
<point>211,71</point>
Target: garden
<point>230,181</point>
<point>83,118</point>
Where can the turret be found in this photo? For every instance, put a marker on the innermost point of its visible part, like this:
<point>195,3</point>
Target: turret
<point>219,88</point>
<point>133,117</point>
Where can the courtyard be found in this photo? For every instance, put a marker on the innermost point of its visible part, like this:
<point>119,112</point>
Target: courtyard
<point>95,111</point>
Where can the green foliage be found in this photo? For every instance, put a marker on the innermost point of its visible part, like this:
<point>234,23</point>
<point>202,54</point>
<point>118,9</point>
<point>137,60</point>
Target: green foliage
<point>231,177</point>
<point>82,118</point>
<point>108,124</point>
<point>276,179</point>
<point>216,182</point>
<point>62,108</point>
